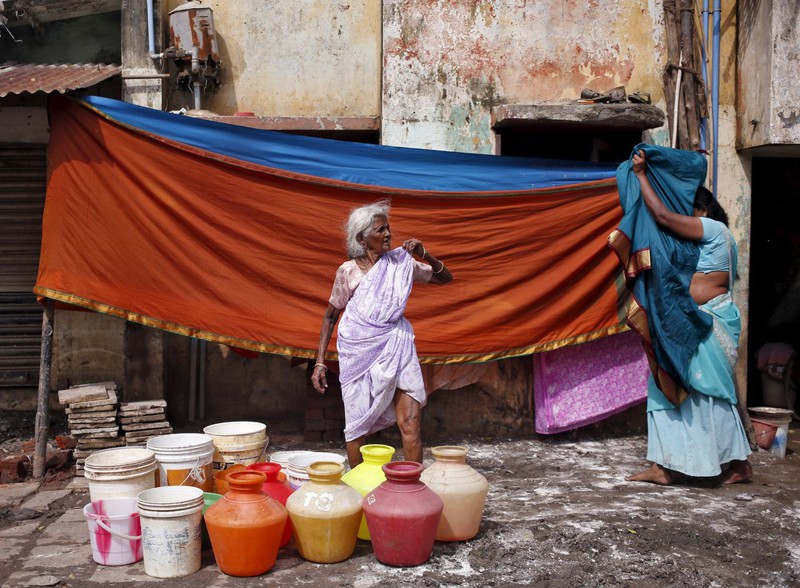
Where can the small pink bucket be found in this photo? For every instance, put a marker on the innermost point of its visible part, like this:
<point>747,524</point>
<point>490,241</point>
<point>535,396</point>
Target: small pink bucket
<point>114,530</point>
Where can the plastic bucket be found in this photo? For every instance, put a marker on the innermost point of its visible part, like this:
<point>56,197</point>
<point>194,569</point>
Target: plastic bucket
<point>296,472</point>
<point>765,433</point>
<point>120,472</point>
<point>114,531</point>
<point>282,458</point>
<point>780,418</point>
<point>237,442</point>
<point>184,459</point>
<point>171,532</point>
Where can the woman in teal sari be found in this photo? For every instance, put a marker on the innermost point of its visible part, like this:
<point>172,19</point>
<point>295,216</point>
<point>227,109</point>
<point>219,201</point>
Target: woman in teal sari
<point>702,433</point>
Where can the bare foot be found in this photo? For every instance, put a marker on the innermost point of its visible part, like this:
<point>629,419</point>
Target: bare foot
<point>655,474</point>
<point>738,471</point>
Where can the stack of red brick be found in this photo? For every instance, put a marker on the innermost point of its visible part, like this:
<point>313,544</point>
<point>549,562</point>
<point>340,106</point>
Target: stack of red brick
<point>18,466</point>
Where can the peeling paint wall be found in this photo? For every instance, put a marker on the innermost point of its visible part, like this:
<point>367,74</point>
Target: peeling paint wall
<point>306,58</point>
<point>769,87</point>
<point>446,64</point>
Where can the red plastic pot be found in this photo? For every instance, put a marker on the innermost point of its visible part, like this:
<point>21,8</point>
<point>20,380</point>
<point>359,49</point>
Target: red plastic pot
<point>276,489</point>
<point>402,515</point>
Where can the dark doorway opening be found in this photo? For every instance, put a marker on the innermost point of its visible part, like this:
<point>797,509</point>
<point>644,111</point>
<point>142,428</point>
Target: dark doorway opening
<point>774,263</point>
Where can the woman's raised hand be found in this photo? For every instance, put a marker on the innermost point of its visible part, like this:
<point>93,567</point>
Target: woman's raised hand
<point>414,246</point>
<point>639,163</point>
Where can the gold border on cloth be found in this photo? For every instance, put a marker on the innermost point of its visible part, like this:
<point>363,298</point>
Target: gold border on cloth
<point>171,327</point>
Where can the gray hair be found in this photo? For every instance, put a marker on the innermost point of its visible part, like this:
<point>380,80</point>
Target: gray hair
<point>359,224</point>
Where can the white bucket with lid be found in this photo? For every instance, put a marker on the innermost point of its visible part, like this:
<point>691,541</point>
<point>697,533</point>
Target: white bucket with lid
<point>171,530</point>
<point>780,417</point>
<point>184,459</point>
<point>296,472</point>
<point>115,531</point>
<point>120,472</point>
<point>238,442</point>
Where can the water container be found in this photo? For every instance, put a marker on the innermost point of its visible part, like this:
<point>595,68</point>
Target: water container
<point>115,531</point>
<point>171,536</point>
<point>462,489</point>
<point>325,514</point>
<point>245,526</point>
<point>402,515</point>
<point>184,459</point>
<point>297,473</point>
<point>238,442</point>
<point>280,491</point>
<point>368,475</point>
<point>120,472</point>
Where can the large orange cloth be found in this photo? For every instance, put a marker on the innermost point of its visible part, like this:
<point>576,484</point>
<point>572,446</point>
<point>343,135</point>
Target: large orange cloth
<point>171,237</point>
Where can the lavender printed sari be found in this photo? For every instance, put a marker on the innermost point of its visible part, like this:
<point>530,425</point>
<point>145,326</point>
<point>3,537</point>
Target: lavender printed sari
<point>376,347</point>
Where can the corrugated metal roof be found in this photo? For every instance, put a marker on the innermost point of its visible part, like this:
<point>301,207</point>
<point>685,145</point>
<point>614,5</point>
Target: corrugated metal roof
<point>29,77</point>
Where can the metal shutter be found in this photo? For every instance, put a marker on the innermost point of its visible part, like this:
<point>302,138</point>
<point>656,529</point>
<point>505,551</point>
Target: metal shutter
<point>22,189</point>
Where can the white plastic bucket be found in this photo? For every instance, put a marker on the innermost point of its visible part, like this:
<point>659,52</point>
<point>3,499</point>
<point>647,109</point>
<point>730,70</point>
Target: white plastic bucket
<point>114,531</point>
<point>296,472</point>
<point>171,531</point>
<point>282,458</point>
<point>780,417</point>
<point>238,442</point>
<point>184,459</point>
<point>120,472</point>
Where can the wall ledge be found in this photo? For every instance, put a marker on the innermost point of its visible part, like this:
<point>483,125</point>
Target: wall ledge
<point>608,117</point>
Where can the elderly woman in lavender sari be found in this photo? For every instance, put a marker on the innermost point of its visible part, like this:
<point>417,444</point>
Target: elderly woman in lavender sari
<point>378,366</point>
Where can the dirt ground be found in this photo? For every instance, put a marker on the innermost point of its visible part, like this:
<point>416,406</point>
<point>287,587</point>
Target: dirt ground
<point>560,514</point>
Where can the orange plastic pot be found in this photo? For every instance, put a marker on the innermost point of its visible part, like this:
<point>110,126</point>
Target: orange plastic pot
<point>245,526</point>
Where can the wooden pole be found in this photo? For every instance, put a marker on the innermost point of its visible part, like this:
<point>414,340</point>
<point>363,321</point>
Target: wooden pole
<point>43,407</point>
<point>690,85</point>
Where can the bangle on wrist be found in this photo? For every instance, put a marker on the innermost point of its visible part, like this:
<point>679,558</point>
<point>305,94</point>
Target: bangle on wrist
<point>322,365</point>
<point>440,269</point>
<point>424,252</point>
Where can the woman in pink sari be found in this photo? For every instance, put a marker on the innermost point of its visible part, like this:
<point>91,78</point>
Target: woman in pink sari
<point>378,366</point>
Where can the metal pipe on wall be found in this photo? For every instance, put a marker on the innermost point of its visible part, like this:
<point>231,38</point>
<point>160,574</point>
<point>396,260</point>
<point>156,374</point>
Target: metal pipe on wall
<point>151,34</point>
<point>196,76</point>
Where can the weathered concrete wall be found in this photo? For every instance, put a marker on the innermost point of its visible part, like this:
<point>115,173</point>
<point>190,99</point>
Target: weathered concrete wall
<point>446,64</point>
<point>769,48</point>
<point>733,173</point>
<point>755,63</point>
<point>309,58</point>
<point>87,347</point>
<point>267,388</point>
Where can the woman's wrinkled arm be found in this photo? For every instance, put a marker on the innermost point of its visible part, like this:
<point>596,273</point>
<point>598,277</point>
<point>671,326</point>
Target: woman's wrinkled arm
<point>687,227</point>
<point>329,320</point>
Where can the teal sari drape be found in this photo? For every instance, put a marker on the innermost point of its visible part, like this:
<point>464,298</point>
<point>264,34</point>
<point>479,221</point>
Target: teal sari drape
<point>659,266</point>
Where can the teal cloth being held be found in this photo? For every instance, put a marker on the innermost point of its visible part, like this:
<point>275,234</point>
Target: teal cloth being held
<point>676,324</point>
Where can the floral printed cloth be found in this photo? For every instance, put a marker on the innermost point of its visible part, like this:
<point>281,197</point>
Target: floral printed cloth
<point>582,384</point>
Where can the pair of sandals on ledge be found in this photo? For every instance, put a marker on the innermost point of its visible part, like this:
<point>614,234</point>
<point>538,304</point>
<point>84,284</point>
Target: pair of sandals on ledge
<point>613,96</point>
